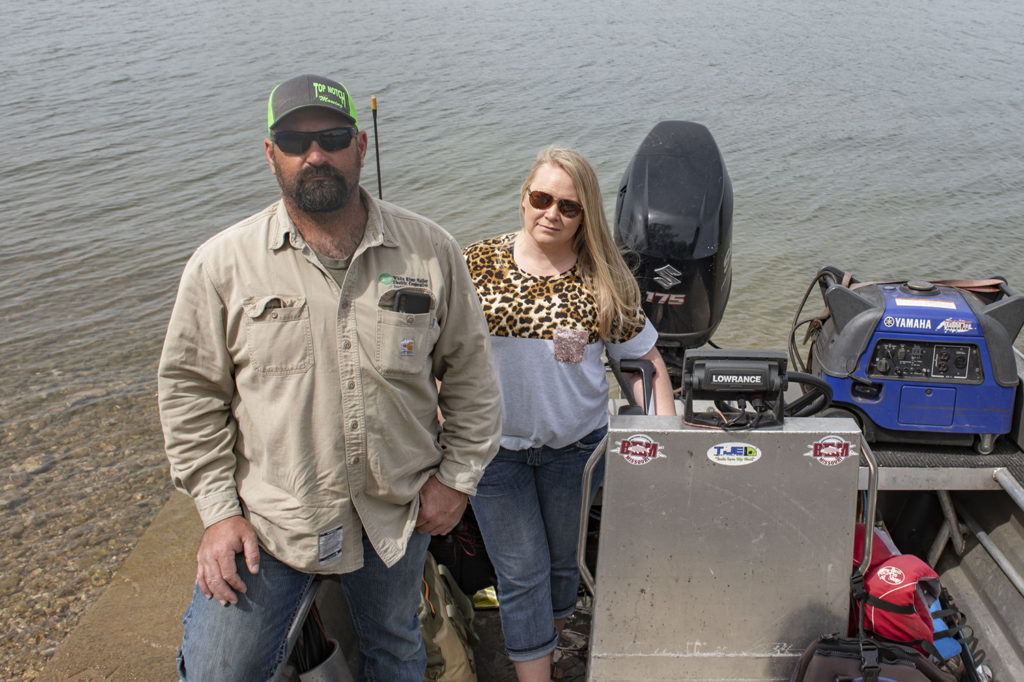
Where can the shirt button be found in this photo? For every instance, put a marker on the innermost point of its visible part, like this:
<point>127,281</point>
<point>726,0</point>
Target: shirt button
<point>351,385</point>
<point>273,316</point>
<point>409,319</point>
<point>355,424</point>
<point>355,459</point>
<point>346,345</point>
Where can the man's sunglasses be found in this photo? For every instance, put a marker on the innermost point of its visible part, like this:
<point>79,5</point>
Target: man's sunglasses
<point>297,142</point>
<point>542,200</point>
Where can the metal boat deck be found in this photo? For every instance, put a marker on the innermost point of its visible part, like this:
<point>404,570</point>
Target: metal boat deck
<point>922,467</point>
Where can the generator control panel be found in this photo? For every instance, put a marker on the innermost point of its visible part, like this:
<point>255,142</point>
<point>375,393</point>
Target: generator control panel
<point>958,363</point>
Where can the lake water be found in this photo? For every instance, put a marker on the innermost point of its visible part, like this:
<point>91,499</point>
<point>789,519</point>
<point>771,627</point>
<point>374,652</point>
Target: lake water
<point>883,138</point>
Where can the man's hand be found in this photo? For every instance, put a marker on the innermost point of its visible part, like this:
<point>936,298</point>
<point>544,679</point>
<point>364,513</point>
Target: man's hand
<point>215,571</point>
<point>441,507</point>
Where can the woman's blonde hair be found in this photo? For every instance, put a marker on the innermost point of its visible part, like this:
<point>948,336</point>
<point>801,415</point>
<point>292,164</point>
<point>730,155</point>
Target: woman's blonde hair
<point>598,260</point>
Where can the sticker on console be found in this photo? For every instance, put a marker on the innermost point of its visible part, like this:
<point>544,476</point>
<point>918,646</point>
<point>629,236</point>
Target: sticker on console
<point>640,449</point>
<point>952,326</point>
<point>733,454</point>
<point>925,303</point>
<point>830,450</point>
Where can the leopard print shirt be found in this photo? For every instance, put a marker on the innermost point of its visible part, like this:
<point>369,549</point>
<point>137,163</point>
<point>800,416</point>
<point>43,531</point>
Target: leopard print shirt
<point>518,304</point>
<point>548,356</point>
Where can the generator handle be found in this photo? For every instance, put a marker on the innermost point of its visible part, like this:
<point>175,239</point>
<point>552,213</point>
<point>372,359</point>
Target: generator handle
<point>581,544</point>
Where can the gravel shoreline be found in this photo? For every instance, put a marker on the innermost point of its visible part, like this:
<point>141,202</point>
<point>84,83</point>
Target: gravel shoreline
<point>80,480</point>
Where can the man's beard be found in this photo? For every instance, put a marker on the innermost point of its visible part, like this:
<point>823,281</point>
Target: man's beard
<point>318,196</point>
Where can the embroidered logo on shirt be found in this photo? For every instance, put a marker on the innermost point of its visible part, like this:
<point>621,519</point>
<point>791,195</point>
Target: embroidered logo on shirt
<point>407,347</point>
<point>387,279</point>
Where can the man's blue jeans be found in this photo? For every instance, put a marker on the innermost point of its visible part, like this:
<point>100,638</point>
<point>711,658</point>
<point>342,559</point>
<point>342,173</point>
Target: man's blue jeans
<point>247,641</point>
<point>527,505</point>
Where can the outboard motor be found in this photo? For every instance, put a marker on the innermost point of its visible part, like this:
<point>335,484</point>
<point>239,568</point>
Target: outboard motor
<point>673,218</point>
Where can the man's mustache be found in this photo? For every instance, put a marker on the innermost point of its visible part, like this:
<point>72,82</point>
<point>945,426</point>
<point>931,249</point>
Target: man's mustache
<point>311,171</point>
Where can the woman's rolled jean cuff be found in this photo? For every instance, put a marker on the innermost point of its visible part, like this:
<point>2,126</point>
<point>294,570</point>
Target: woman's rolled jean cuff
<point>532,654</point>
<point>565,613</point>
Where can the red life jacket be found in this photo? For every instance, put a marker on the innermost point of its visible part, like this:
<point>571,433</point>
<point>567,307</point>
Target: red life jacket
<point>900,590</point>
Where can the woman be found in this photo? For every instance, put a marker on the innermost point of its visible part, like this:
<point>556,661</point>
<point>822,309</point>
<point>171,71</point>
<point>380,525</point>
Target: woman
<point>556,294</point>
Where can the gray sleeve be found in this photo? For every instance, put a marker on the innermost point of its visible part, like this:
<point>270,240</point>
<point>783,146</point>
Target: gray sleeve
<point>636,346</point>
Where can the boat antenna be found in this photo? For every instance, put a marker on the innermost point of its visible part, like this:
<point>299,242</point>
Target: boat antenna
<point>376,142</point>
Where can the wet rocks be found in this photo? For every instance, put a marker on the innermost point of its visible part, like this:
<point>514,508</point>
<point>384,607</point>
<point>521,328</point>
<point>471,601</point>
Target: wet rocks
<point>10,499</point>
<point>81,475</point>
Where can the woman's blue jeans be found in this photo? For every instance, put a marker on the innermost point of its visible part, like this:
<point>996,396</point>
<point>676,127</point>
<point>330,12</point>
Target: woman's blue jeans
<point>247,641</point>
<point>527,505</point>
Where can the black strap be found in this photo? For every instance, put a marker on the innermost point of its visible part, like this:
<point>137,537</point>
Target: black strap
<point>949,615</point>
<point>857,590</point>
<point>953,632</point>
<point>924,644</point>
<point>906,610</point>
<point>870,667</point>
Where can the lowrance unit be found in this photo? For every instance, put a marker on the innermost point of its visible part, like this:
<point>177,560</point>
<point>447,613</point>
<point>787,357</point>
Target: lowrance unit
<point>757,377</point>
<point>919,361</point>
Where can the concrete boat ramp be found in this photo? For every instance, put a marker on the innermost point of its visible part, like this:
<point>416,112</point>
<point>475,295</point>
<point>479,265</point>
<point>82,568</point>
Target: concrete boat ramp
<point>133,630</point>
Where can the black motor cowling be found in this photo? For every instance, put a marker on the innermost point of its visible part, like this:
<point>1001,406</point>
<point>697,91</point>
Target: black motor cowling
<point>673,218</point>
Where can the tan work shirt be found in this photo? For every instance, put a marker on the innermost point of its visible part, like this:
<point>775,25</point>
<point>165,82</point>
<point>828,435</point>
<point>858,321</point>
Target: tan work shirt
<point>311,408</point>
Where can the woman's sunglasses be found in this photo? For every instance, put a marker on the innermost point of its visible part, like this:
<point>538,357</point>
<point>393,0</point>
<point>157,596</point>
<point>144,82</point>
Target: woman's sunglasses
<point>542,200</point>
<point>297,142</point>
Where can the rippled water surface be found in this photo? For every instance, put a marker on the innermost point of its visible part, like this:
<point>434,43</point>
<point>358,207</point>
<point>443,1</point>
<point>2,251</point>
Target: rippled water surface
<point>881,138</point>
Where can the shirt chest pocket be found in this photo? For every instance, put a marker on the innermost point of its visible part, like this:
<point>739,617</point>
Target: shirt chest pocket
<point>404,341</point>
<point>278,334</point>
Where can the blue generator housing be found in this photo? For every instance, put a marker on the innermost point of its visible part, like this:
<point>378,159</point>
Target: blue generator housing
<point>920,361</point>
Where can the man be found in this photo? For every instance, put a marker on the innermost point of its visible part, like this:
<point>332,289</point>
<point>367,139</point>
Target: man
<point>299,405</point>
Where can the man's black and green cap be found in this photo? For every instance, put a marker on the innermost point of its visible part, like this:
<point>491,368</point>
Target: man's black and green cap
<point>303,92</point>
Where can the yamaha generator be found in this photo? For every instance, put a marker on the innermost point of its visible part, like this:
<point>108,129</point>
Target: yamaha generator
<point>918,362</point>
